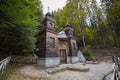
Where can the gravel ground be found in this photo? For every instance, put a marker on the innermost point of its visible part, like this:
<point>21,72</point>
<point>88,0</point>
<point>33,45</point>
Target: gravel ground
<point>96,72</point>
<point>109,77</point>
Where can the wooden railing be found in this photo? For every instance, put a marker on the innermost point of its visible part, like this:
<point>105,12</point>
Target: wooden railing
<point>3,64</point>
<point>116,67</point>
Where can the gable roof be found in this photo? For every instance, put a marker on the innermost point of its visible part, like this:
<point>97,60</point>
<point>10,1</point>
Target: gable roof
<point>62,35</point>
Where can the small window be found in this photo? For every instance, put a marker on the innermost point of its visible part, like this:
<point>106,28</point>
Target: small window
<point>51,24</point>
<point>74,46</point>
<point>52,42</point>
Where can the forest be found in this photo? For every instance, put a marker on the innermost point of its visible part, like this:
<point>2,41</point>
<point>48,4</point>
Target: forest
<point>95,23</point>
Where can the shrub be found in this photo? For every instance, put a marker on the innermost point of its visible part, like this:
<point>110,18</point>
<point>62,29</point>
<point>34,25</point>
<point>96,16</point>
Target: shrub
<point>87,53</point>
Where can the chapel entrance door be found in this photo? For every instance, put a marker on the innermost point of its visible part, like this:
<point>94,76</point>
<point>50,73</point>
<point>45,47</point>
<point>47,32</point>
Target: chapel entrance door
<point>63,56</point>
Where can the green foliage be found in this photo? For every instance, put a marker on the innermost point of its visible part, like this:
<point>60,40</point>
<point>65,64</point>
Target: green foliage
<point>74,13</point>
<point>112,8</point>
<point>94,24</point>
<point>18,25</point>
<point>87,53</point>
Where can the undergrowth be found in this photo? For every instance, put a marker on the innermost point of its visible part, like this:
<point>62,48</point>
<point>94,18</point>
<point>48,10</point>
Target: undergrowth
<point>10,69</point>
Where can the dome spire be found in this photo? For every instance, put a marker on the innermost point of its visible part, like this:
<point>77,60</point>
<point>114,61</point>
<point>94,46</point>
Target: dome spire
<point>48,13</point>
<point>68,24</point>
<point>48,9</point>
<point>68,27</point>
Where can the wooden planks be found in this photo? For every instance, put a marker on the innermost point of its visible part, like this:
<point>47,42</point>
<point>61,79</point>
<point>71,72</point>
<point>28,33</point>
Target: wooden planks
<point>3,64</point>
<point>115,74</point>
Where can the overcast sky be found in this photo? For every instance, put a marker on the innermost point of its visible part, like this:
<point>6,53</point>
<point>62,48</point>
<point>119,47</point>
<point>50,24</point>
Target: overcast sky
<point>53,4</point>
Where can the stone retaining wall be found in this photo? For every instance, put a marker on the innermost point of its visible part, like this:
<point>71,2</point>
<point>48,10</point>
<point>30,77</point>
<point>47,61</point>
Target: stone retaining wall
<point>23,59</point>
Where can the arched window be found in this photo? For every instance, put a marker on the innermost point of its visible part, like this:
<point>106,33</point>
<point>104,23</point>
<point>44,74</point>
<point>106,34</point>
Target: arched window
<point>74,46</point>
<point>52,42</point>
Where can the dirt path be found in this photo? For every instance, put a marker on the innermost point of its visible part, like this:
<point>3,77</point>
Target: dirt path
<point>32,72</point>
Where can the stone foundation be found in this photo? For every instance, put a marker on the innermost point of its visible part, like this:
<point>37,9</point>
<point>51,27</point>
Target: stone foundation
<point>72,59</point>
<point>52,61</point>
<point>69,59</point>
<point>55,61</point>
<point>48,62</point>
<point>75,59</point>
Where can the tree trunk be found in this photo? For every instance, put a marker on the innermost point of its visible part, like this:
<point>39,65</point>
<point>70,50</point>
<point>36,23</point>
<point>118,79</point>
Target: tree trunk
<point>82,30</point>
<point>115,38</point>
<point>83,39</point>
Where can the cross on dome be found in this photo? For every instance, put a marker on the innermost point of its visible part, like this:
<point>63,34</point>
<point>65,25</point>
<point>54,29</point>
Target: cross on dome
<point>48,9</point>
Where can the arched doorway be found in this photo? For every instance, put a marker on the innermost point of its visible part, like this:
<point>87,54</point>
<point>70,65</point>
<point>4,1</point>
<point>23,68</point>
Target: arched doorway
<point>63,56</point>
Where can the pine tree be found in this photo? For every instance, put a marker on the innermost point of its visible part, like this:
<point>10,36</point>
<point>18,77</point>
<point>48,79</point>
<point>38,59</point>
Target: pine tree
<point>18,21</point>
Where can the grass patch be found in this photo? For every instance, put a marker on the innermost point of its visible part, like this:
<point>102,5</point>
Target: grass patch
<point>10,70</point>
